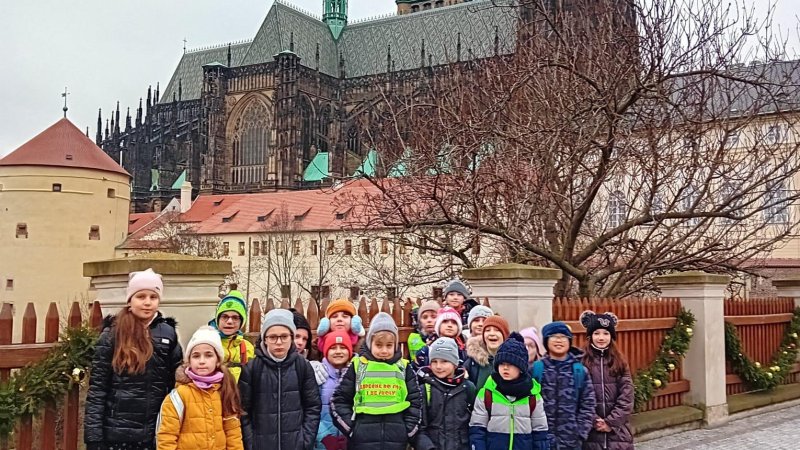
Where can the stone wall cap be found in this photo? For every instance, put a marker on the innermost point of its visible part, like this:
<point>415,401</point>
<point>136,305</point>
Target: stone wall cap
<point>787,281</point>
<point>692,277</point>
<point>512,271</point>
<point>160,262</point>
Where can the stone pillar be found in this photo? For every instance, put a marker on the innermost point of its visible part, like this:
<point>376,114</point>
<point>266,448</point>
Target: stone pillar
<point>191,285</point>
<point>522,294</point>
<point>704,366</point>
<point>788,286</point>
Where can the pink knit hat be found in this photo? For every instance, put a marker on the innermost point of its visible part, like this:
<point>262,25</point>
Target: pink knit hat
<point>447,313</point>
<point>147,279</point>
<point>533,334</point>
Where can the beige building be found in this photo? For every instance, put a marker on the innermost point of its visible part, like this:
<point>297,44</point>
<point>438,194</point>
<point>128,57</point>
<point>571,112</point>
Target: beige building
<point>63,202</point>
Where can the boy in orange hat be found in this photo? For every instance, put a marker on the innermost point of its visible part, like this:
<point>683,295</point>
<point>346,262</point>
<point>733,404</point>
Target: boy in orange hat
<point>340,316</point>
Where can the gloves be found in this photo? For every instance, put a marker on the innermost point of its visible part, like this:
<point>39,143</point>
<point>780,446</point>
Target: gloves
<point>324,326</point>
<point>319,372</point>
<point>356,326</point>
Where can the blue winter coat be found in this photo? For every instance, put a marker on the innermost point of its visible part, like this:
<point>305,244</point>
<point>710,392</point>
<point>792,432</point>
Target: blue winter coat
<point>326,389</point>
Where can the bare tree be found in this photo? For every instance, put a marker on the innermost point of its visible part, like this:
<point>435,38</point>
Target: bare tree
<point>172,236</point>
<point>620,139</point>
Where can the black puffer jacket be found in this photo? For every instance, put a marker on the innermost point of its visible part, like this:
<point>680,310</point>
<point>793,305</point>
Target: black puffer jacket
<point>281,402</point>
<point>377,432</point>
<point>447,407</point>
<point>124,407</point>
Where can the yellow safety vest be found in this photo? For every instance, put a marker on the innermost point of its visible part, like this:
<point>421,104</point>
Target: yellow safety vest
<point>380,387</point>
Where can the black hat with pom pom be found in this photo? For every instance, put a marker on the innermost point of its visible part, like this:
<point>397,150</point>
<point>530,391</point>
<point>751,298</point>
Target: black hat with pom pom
<point>593,322</point>
<point>513,352</point>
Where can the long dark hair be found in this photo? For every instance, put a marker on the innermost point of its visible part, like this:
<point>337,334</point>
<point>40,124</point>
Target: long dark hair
<point>229,393</point>
<point>617,362</point>
<point>132,344</point>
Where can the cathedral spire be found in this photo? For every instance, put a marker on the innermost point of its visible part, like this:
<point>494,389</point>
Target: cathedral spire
<point>99,138</point>
<point>335,16</point>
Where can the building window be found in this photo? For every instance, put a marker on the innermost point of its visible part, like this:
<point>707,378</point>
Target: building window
<point>616,209</point>
<point>733,138</point>
<point>22,231</point>
<point>365,250</point>
<point>348,247</point>
<point>251,144</point>
<point>384,246</point>
<point>296,248</point>
<point>777,210</point>
<point>331,246</point>
<point>279,248</point>
<point>476,245</point>
<point>402,245</point>
<point>415,8</point>
<point>94,233</point>
<point>774,134</point>
<point>423,244</point>
<point>226,248</point>
<point>241,249</point>
<point>314,247</point>
<point>256,248</point>
<point>56,187</point>
<point>9,284</point>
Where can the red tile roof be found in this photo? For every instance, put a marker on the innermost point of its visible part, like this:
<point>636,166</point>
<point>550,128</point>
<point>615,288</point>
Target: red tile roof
<point>138,220</point>
<point>62,145</point>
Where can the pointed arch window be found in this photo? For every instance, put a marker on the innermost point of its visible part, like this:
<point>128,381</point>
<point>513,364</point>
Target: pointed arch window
<point>353,140</point>
<point>322,134</point>
<point>251,143</point>
<point>307,128</point>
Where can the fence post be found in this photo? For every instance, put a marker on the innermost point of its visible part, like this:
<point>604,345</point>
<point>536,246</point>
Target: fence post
<point>704,366</point>
<point>788,286</point>
<point>522,294</point>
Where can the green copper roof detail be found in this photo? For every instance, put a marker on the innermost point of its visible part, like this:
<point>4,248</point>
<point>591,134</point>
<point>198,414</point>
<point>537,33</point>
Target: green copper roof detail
<point>368,166</point>
<point>400,167</point>
<point>317,170</point>
<point>335,16</point>
<point>179,181</point>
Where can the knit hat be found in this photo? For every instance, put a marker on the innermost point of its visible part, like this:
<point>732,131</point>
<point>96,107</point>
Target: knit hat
<point>205,335</point>
<point>146,279</point>
<point>337,337</point>
<point>498,322</point>
<point>513,352</point>
<point>447,313</point>
<point>533,334</point>
<point>300,321</point>
<point>340,305</point>
<point>456,286</point>
<point>444,348</point>
<point>430,305</point>
<point>382,322</point>
<point>232,303</point>
<point>555,328</point>
<point>478,311</point>
<point>275,317</point>
<point>593,322</point>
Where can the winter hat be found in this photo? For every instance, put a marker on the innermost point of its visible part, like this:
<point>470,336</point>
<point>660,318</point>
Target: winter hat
<point>444,348</point>
<point>513,352</point>
<point>456,286</point>
<point>533,334</point>
<point>430,305</point>
<point>340,305</point>
<point>478,311</point>
<point>300,322</point>
<point>337,337</point>
<point>232,303</point>
<point>498,322</point>
<point>447,313</point>
<point>593,322</point>
<point>382,322</point>
<point>282,317</point>
<point>555,328</point>
<point>146,279</point>
<point>205,335</point>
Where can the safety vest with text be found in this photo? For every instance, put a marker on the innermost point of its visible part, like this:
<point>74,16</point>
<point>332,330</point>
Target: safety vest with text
<point>380,387</point>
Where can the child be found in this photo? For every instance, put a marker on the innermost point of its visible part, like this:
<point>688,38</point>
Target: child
<point>230,318</point>
<point>377,404</point>
<point>448,324</point>
<point>340,315</point>
<point>280,396</point>
<point>338,350</point>
<point>568,402</point>
<point>456,296</point>
<point>203,410</point>
<point>613,387</point>
<point>424,320</point>
<point>533,343</point>
<point>481,349</point>
<point>134,361</point>
<point>475,320</point>
<point>509,411</point>
<point>447,400</point>
<point>302,337</point>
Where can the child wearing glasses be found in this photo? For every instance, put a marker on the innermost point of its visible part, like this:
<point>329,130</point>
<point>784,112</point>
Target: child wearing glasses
<point>280,397</point>
<point>230,318</point>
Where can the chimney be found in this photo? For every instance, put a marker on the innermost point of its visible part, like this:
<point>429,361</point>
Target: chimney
<point>186,196</point>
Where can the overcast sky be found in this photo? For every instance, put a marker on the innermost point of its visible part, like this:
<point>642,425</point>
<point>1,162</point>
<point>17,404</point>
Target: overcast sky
<point>109,50</point>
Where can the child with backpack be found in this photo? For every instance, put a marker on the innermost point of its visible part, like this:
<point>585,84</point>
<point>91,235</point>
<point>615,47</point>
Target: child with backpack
<point>424,320</point>
<point>568,399</point>
<point>448,324</point>
<point>230,318</point>
<point>447,400</point>
<point>482,349</point>
<point>377,404</point>
<point>203,410</point>
<point>613,386</point>
<point>340,315</point>
<point>280,396</point>
<point>509,411</point>
<point>457,296</point>
<point>338,350</point>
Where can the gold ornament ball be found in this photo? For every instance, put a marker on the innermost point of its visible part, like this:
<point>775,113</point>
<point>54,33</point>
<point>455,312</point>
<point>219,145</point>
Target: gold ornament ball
<point>657,383</point>
<point>757,364</point>
<point>794,335</point>
<point>769,374</point>
<point>671,366</point>
<point>785,352</point>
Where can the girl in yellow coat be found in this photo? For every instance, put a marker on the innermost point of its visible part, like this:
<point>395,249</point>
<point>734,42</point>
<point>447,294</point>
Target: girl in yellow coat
<point>202,412</point>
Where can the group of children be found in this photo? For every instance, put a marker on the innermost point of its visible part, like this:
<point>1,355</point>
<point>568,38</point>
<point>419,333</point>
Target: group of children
<point>470,382</point>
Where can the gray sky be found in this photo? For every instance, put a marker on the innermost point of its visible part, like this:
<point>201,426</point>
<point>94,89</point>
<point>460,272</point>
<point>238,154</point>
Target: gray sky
<point>109,50</point>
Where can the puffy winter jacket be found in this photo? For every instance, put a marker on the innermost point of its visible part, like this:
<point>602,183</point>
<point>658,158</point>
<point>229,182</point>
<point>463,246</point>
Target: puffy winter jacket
<point>377,432</point>
<point>422,358</point>
<point>446,410</point>
<point>328,379</point>
<point>280,401</point>
<point>614,395</point>
<point>199,425</point>
<point>122,408</point>
<point>416,341</point>
<point>235,347</point>
<point>479,362</point>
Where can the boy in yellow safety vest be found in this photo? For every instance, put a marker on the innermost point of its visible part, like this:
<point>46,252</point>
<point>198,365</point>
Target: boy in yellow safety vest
<point>378,402</point>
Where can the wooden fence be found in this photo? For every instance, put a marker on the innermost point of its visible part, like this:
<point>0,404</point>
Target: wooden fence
<point>29,350</point>
<point>760,325</point>
<point>642,326</point>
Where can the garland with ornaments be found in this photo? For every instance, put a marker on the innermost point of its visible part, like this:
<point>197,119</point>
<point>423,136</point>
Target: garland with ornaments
<point>754,375</point>
<point>29,389</point>
<point>672,350</point>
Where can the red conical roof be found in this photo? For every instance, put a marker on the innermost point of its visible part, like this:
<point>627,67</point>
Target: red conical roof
<point>62,145</point>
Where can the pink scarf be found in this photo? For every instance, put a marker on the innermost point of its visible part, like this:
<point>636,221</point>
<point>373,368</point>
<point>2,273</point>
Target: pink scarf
<point>204,382</point>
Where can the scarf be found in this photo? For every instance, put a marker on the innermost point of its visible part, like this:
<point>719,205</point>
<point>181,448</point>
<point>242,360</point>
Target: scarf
<point>204,382</point>
<point>521,387</point>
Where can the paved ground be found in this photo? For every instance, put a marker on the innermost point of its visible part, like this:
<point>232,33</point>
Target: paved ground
<point>777,430</point>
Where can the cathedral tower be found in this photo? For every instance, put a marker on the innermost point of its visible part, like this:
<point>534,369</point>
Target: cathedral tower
<point>335,16</point>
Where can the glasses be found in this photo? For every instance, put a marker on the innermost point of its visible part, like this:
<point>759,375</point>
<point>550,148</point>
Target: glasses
<point>559,337</point>
<point>274,339</point>
<point>230,318</point>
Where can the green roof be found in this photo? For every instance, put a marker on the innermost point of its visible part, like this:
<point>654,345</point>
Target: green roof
<point>317,170</point>
<point>179,181</point>
<point>400,168</point>
<point>368,166</point>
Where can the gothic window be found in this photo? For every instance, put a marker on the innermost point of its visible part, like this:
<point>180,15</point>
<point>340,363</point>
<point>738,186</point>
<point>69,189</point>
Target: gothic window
<point>251,142</point>
<point>353,140</point>
<point>307,128</point>
<point>322,135</point>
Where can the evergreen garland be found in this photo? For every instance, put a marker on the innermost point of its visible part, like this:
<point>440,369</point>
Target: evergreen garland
<point>673,348</point>
<point>47,380</point>
<point>755,376</point>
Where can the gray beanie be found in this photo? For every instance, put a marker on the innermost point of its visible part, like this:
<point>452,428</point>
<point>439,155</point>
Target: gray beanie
<point>382,322</point>
<point>478,311</point>
<point>444,348</point>
<point>456,286</point>
<point>282,317</point>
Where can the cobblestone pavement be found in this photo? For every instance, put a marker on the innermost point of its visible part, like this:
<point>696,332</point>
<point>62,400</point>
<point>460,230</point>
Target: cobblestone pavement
<point>777,430</point>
